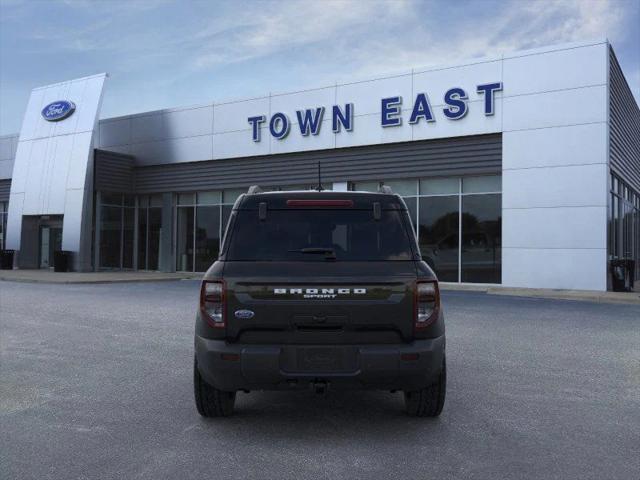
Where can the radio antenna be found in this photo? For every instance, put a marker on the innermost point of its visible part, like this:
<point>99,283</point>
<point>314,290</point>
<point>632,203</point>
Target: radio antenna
<point>319,179</point>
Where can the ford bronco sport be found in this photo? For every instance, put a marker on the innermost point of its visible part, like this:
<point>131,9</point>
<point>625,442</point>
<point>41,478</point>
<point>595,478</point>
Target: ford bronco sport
<point>322,290</point>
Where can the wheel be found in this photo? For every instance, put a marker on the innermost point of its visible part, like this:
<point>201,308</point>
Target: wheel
<point>210,401</point>
<point>429,401</point>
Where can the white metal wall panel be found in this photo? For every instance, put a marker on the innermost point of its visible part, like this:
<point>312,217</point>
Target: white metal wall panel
<point>561,268</point>
<point>288,103</point>
<point>31,115</point>
<point>6,169</point>
<point>366,95</point>
<point>557,70</point>
<point>567,186</point>
<point>572,145</point>
<point>295,142</point>
<point>436,82</point>
<point>74,123</point>
<point>233,144</point>
<point>368,132</point>
<point>555,169</point>
<point>72,220</point>
<point>60,171</point>
<point>8,146</point>
<point>573,227</point>
<point>190,122</point>
<point>51,172</point>
<point>475,122</point>
<point>81,144</point>
<point>147,128</point>
<point>32,185</point>
<point>178,150</point>
<point>114,132</point>
<point>556,108</point>
<point>232,117</point>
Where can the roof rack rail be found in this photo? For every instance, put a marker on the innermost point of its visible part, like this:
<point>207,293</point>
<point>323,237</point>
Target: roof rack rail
<point>253,189</point>
<point>385,189</point>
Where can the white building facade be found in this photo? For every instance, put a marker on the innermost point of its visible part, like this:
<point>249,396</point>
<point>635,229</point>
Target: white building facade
<point>521,170</point>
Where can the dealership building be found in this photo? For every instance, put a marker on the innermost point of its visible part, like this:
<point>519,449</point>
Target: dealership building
<point>521,169</point>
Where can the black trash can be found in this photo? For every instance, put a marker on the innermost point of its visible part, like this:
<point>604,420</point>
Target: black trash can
<point>61,260</point>
<point>622,274</point>
<point>631,267</point>
<point>6,259</point>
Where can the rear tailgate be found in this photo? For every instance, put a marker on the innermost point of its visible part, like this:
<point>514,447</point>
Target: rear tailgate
<point>325,304</point>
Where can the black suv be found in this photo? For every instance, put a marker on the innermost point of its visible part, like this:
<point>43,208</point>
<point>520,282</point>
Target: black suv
<point>319,289</point>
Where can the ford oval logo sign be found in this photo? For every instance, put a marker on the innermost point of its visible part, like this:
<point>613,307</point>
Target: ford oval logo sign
<point>244,314</point>
<point>56,111</point>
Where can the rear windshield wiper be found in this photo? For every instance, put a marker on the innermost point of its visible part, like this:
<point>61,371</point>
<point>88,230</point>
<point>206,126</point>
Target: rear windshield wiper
<point>330,253</point>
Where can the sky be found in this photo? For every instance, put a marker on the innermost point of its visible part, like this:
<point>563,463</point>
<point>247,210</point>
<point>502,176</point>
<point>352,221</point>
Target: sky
<point>162,53</point>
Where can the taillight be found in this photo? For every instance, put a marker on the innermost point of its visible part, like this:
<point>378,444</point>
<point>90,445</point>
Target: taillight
<point>427,302</point>
<point>212,302</point>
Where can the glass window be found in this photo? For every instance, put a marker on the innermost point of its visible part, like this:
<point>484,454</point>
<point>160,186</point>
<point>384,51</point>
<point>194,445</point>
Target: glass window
<point>412,206</point>
<point>369,186</point>
<point>226,214</point>
<point>403,187</point>
<point>186,199</point>
<point>3,223</point>
<point>230,196</point>
<point>142,237</point>
<point>184,232</point>
<point>154,235</point>
<point>344,234</point>
<point>481,251</point>
<point>110,236</point>
<point>207,237</point>
<point>209,198</point>
<point>439,186</point>
<point>128,237</point>
<point>486,184</point>
<point>438,235</point>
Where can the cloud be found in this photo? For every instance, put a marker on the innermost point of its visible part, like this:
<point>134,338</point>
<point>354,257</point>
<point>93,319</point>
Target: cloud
<point>514,26</point>
<point>281,27</point>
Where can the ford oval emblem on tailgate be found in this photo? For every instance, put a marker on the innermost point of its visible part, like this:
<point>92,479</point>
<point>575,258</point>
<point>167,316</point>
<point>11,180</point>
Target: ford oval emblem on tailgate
<point>244,314</point>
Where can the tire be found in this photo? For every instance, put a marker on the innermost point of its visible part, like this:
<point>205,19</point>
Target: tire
<point>210,401</point>
<point>429,401</point>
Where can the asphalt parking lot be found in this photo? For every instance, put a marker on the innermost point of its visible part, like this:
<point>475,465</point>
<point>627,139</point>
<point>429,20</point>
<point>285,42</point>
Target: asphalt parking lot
<point>96,382</point>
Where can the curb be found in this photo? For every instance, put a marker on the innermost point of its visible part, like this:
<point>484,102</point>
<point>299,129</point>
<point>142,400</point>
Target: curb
<point>95,282</point>
<point>632,298</point>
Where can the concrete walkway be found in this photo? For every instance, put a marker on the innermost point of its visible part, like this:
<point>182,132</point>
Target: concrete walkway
<point>49,276</point>
<point>583,295</point>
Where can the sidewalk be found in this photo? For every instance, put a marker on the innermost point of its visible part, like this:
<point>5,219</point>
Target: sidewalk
<point>49,276</point>
<point>580,295</point>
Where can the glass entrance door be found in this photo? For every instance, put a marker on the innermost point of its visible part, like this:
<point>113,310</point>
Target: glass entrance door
<point>50,241</point>
<point>45,233</point>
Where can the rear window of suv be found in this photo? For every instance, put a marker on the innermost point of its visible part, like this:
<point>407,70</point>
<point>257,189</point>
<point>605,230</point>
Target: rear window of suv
<point>319,235</point>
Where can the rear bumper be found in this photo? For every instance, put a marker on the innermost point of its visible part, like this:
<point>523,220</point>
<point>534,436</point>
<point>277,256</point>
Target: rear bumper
<point>232,367</point>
